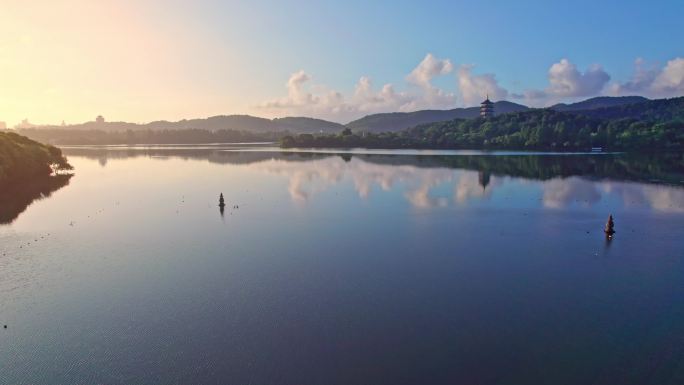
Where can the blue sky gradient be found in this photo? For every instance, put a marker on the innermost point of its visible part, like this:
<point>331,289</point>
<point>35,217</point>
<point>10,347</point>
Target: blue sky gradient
<point>236,57</point>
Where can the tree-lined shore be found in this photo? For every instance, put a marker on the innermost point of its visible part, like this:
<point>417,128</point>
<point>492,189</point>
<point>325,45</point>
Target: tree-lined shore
<point>651,125</point>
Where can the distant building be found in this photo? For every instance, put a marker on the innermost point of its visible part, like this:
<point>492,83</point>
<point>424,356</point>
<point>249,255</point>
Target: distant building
<point>25,124</point>
<point>3,125</point>
<point>487,108</point>
<point>99,119</point>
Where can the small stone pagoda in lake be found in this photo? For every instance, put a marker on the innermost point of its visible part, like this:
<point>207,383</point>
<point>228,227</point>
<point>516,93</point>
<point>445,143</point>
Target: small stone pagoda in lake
<point>610,227</point>
<point>487,108</point>
<point>222,204</point>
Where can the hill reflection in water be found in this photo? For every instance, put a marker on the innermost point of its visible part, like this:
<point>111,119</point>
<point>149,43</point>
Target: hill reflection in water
<point>17,196</point>
<point>654,180</point>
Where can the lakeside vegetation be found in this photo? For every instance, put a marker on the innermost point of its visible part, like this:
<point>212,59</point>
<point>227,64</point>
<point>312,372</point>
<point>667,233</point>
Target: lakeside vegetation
<point>657,124</point>
<point>24,159</point>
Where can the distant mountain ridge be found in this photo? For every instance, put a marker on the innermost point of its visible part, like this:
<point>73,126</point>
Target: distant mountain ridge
<point>639,123</point>
<point>221,122</point>
<point>374,123</point>
<point>397,121</point>
<point>647,111</point>
<point>598,102</point>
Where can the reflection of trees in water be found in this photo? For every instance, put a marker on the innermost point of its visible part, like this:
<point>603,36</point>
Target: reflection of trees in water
<point>569,179</point>
<point>418,184</point>
<point>424,187</point>
<point>220,155</point>
<point>650,168</point>
<point>17,196</point>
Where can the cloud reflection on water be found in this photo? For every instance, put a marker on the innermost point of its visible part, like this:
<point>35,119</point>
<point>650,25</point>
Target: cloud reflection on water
<point>422,186</point>
<point>561,193</point>
<point>657,197</point>
<point>309,178</point>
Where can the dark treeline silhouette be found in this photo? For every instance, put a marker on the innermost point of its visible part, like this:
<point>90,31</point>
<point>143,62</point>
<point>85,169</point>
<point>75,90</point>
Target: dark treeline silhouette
<point>67,136</point>
<point>656,124</point>
<point>22,158</point>
<point>15,197</point>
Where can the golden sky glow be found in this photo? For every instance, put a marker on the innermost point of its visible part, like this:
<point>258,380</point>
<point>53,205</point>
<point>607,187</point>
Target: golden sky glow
<point>73,60</point>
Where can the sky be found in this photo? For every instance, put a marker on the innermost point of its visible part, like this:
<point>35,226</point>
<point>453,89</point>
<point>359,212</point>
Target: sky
<point>146,60</point>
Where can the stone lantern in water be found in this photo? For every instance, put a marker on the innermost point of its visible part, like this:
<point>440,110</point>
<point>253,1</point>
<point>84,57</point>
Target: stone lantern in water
<point>610,227</point>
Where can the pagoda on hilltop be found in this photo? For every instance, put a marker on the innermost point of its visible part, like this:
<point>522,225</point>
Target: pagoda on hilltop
<point>486,108</point>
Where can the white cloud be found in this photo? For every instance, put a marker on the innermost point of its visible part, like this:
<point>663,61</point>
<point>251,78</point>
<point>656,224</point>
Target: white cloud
<point>670,81</point>
<point>641,80</point>
<point>474,88</point>
<point>320,101</point>
<point>301,101</point>
<point>422,76</point>
<point>295,87</point>
<point>654,82</point>
<point>567,82</point>
<point>368,100</point>
<point>428,69</point>
<point>296,93</point>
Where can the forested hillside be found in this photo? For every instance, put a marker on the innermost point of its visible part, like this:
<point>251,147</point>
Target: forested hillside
<point>656,124</point>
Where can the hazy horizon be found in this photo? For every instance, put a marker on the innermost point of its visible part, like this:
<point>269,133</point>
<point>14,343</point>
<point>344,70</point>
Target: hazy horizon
<point>143,61</point>
<point>53,124</point>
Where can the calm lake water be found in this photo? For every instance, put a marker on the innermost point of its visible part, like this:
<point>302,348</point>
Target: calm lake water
<point>352,268</point>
